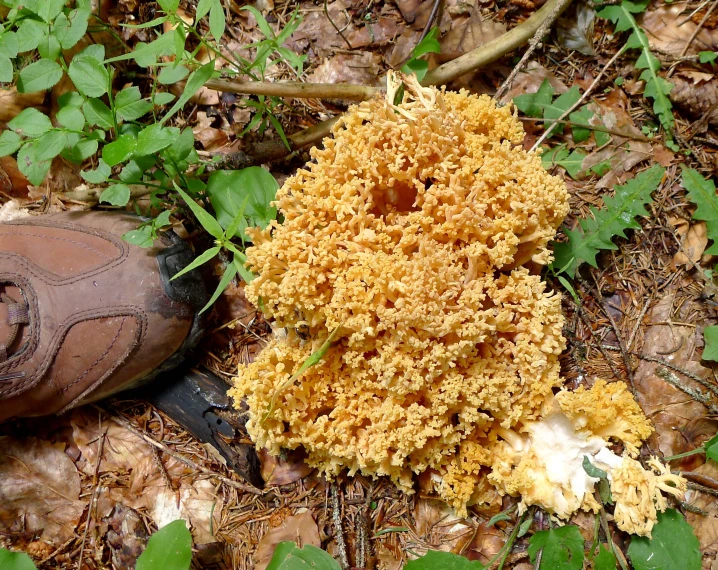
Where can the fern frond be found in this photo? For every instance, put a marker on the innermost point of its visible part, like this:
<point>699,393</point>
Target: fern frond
<point>702,193</point>
<point>618,215</point>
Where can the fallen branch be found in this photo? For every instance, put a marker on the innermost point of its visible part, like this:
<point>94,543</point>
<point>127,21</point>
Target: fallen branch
<point>296,89</point>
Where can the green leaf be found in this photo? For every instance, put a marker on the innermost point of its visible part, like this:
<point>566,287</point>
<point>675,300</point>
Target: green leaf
<point>141,237</point>
<point>154,138</point>
<point>288,556</point>
<point>419,67</point>
<point>262,23</point>
<point>239,260</point>
<point>553,111</point>
<point>707,56</point>
<point>97,113</point>
<point>711,447</point>
<point>216,20</point>
<point>430,44</point>
<point>533,104</point>
<point>580,128</point>
<point>32,167</point>
<point>181,146</point>
<point>38,76</point>
<point>573,163</point>
<point>593,471</point>
<point>179,40</point>
<point>10,141</point>
<point>83,149</point>
<point>49,47</point>
<point>49,145</point>
<point>554,156</point>
<point>195,81</point>
<point>169,6</point>
<point>129,104</point>
<point>618,215</point>
<point>605,560</point>
<point>29,34</point>
<point>9,44</point>
<point>119,150</point>
<point>117,195</point>
<point>199,260</point>
<point>71,118</point>
<point>48,10</point>
<point>15,560</point>
<point>170,548</point>
<point>229,189</point>
<point>89,75</point>
<point>134,170</point>
<point>172,74</point>
<point>227,276</point>
<point>99,175</point>
<point>562,548</point>
<point>6,71</point>
<point>436,560</point>
<point>31,123</point>
<point>70,29</point>
<point>673,545</point>
<point>163,98</point>
<point>702,193</point>
<point>203,7</point>
<point>205,219</point>
<point>710,337</point>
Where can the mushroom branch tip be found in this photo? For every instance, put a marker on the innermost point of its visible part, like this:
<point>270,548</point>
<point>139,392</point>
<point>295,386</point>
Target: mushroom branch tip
<point>415,236</point>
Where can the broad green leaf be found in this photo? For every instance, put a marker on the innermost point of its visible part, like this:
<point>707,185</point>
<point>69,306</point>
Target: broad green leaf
<point>435,560</point>
<point>562,548</point>
<point>203,7</point>
<point>707,56</point>
<point>673,545</point>
<point>172,74</point>
<point>216,20</point>
<point>605,560</point>
<point>83,149</point>
<point>169,6</point>
<point>6,71</point>
<point>580,127</point>
<point>702,193</point>
<point>170,548</point>
<point>181,146</point>
<point>179,40</point>
<point>134,170</point>
<point>430,44</point>
<point>618,215</point>
<point>89,75</point>
<point>38,76</point>
<point>99,175</point>
<point>141,237</point>
<point>711,447</point>
<point>70,29</point>
<point>33,168</point>
<point>419,67</point>
<point>533,104</point>
<point>553,110</point>
<point>163,98</point>
<point>49,145</point>
<point>31,123</point>
<point>95,51</point>
<point>119,150</point>
<point>710,337</point>
<point>97,113</point>
<point>228,190</point>
<point>15,560</point>
<point>70,99</point>
<point>129,104</point>
<point>573,163</point>
<point>49,47</point>
<point>154,138</point>
<point>199,260</point>
<point>71,118</point>
<point>554,156</point>
<point>9,44</point>
<point>29,34</point>
<point>117,195</point>
<point>288,556</point>
<point>10,141</point>
<point>195,81</point>
<point>48,10</point>
<point>205,219</point>
<point>227,276</point>
<point>148,54</point>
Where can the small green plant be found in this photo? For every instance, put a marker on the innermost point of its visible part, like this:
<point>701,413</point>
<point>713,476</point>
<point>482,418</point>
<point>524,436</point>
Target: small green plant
<point>288,556</point>
<point>672,545</point>
<point>429,44</point>
<point>656,88</point>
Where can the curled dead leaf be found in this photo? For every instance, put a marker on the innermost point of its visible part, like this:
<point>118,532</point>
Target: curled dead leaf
<point>665,27</point>
<point>283,470</point>
<point>693,244</point>
<point>12,102</point>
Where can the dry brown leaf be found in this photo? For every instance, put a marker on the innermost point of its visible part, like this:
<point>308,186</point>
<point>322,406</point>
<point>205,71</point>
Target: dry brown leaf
<point>530,80</point>
<point>401,51</point>
<point>416,13</point>
<point>39,490</point>
<point>698,100</point>
<point>126,537</point>
<point>283,471</point>
<point>575,28</point>
<point>359,67</point>
<point>663,155</point>
<point>692,246</point>
<point>436,527</point>
<point>12,181</point>
<point>212,139</point>
<point>317,30</point>
<point>468,32</point>
<point>385,558</point>
<point>664,32</point>
<point>376,33</point>
<point>12,102</point>
<point>705,526</point>
<point>300,528</point>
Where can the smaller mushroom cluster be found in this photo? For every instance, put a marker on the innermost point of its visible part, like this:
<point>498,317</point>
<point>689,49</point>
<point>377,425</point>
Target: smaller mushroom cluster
<point>407,257</point>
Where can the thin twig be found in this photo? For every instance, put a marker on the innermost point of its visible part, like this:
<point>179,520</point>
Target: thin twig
<point>553,11</point>
<point>339,532</point>
<point>96,485</point>
<point>586,322</point>
<point>340,32</point>
<point>699,27</point>
<point>296,89</point>
<point>644,310</point>
<point>437,8</point>
<point>572,108</point>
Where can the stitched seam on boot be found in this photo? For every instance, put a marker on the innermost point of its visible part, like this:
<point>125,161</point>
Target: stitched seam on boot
<point>82,245</point>
<point>100,359</point>
<point>52,279</point>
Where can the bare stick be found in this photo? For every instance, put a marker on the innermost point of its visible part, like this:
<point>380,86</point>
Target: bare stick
<point>337,520</point>
<point>91,506</point>
<point>699,28</point>
<point>296,89</point>
<point>567,112</point>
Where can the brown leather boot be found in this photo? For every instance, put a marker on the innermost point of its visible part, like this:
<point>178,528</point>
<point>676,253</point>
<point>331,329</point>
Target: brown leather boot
<point>84,314</point>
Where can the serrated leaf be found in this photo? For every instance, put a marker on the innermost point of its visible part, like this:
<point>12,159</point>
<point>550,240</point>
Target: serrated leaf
<point>48,10</point>
<point>141,237</point>
<point>89,75</point>
<point>83,149</point>
<point>29,34</point>
<point>10,141</point>
<point>15,560</point>
<point>97,113</point>
<point>562,548</point>
<point>554,156</point>
<point>38,76</point>
<point>170,548</point>
<point>573,163</point>
<point>49,145</point>
<point>49,47</point>
<point>70,29</point>
<point>129,104</point>
<point>435,560</point>
<point>99,175</point>
<point>33,168</point>
<point>119,150</point>
<point>618,215</point>
<point>172,74</point>
<point>702,193</point>
<point>533,104</point>
<point>288,556</point>
<point>605,560</point>
<point>673,545</point>
<point>553,111</point>
<point>154,138</point>
<point>163,98</point>
<point>30,123</point>
<point>9,46</point>
<point>117,195</point>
